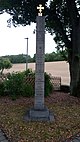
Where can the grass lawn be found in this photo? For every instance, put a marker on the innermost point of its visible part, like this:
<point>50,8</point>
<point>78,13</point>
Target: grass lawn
<point>67,119</point>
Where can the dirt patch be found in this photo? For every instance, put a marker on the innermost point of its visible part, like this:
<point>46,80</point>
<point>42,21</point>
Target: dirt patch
<point>65,108</point>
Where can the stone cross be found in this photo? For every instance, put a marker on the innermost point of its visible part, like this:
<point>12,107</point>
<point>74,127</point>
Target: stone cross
<point>39,112</point>
<point>40,8</point>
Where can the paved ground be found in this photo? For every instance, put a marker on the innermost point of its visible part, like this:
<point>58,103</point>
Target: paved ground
<point>3,138</point>
<point>75,138</point>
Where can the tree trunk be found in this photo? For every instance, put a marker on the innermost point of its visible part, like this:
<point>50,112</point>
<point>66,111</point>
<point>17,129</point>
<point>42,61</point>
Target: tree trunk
<point>75,63</point>
<point>75,39</point>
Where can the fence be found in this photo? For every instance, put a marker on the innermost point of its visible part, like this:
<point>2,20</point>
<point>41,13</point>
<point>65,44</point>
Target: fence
<point>31,80</point>
<point>56,81</point>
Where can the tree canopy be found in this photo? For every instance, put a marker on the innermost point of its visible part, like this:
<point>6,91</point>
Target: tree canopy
<point>61,19</point>
<point>49,57</point>
<point>58,16</point>
<point>4,64</point>
<point>23,11</point>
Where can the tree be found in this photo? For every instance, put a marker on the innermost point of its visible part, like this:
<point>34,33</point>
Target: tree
<point>55,56</point>
<point>4,64</point>
<point>63,19</point>
<point>23,11</point>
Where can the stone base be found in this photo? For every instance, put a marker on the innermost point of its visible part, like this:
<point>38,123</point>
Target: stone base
<point>38,115</point>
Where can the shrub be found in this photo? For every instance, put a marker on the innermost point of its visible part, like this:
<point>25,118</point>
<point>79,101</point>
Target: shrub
<point>18,84</point>
<point>28,90</point>
<point>29,72</point>
<point>14,84</point>
<point>48,85</point>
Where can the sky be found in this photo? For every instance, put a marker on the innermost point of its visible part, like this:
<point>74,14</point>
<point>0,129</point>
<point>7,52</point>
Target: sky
<point>13,42</point>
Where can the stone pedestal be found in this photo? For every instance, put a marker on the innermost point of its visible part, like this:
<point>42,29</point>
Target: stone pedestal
<point>39,112</point>
<point>39,115</point>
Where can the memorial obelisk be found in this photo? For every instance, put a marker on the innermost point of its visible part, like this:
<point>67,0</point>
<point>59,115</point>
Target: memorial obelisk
<point>39,112</point>
<point>40,51</point>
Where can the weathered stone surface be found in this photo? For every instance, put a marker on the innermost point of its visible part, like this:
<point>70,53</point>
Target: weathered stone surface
<point>40,68</point>
<point>39,76</point>
<point>39,115</point>
<point>39,85</point>
<point>39,104</point>
<point>39,112</point>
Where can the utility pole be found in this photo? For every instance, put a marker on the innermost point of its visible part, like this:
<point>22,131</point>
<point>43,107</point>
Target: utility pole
<point>27,54</point>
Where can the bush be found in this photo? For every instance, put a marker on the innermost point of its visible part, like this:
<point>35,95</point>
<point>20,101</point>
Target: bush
<point>29,72</point>
<point>14,84</point>
<point>17,84</point>
<point>28,90</point>
<point>48,85</point>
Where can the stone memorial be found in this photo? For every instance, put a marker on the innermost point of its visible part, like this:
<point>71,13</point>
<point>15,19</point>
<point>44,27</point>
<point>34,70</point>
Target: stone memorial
<point>39,112</point>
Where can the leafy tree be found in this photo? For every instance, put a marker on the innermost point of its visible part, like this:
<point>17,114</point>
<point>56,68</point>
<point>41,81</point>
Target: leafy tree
<point>56,56</point>
<point>4,64</point>
<point>23,11</point>
<point>21,58</point>
<point>49,57</point>
<point>62,18</point>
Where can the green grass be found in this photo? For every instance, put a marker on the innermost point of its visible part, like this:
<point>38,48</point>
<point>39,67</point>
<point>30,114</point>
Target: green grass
<point>66,110</point>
